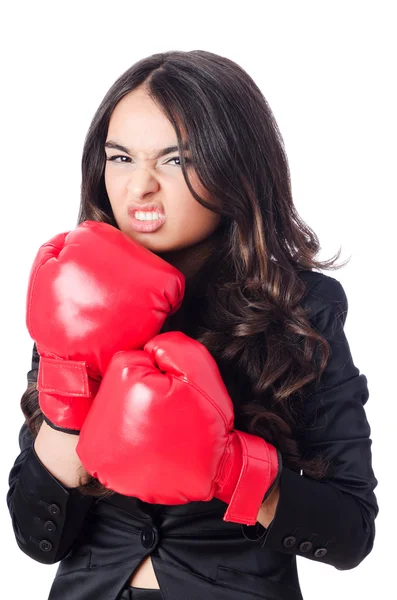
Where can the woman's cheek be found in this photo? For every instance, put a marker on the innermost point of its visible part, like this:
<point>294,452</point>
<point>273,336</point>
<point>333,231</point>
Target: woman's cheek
<point>114,188</point>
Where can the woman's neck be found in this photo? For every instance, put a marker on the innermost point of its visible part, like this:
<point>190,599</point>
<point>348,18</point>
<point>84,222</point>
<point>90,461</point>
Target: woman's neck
<point>190,260</point>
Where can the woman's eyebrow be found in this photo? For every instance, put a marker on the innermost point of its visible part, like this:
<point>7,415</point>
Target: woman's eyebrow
<point>163,152</point>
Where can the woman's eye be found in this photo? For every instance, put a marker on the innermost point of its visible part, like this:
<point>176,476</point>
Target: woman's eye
<point>178,158</point>
<point>113,158</point>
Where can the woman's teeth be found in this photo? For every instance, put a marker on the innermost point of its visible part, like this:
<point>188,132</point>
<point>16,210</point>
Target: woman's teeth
<point>146,216</point>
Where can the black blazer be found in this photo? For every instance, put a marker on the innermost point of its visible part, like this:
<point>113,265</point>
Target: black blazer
<point>195,554</point>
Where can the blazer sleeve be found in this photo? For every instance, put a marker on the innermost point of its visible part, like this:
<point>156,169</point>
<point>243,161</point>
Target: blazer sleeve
<point>329,520</point>
<point>46,515</point>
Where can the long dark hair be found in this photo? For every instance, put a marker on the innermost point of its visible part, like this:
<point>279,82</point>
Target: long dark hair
<point>243,303</point>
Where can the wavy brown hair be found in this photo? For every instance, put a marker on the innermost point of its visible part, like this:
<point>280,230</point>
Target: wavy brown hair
<point>243,302</point>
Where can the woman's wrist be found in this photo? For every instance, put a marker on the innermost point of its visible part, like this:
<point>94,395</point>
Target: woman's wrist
<point>57,452</point>
<point>268,507</point>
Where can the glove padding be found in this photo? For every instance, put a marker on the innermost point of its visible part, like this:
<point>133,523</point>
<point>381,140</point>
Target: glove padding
<point>161,429</point>
<point>92,292</point>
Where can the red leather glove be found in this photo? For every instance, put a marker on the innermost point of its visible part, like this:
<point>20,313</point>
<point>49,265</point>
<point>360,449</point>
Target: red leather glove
<point>92,292</point>
<point>161,429</point>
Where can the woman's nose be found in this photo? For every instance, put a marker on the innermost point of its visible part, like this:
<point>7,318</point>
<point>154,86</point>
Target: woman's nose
<point>142,181</point>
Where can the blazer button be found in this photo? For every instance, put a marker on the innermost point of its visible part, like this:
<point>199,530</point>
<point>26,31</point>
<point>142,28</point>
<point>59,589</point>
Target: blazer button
<point>50,526</point>
<point>149,536</point>
<point>320,552</point>
<point>305,546</point>
<point>289,541</point>
<point>45,546</point>
<point>54,509</point>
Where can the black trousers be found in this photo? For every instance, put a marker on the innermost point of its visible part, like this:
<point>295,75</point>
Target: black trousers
<point>136,593</point>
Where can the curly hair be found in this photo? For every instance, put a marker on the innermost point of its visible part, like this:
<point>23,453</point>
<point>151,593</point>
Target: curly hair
<point>244,301</point>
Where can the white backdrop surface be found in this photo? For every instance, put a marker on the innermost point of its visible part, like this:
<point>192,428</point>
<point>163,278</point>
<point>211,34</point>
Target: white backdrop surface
<point>327,70</point>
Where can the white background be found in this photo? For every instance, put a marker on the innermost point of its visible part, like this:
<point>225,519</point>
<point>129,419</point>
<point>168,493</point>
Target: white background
<point>328,71</point>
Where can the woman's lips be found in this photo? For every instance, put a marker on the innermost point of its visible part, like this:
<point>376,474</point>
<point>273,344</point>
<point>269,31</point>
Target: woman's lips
<point>146,226</point>
<point>152,207</point>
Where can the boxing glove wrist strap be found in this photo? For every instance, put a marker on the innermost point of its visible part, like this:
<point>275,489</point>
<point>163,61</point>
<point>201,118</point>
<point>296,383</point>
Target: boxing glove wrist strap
<point>65,378</point>
<point>251,468</point>
<point>60,382</point>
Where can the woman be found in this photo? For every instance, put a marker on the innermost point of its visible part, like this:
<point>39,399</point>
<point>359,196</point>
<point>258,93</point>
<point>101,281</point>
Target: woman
<point>216,428</point>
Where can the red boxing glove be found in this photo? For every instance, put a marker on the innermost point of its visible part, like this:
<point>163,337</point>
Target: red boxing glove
<point>92,292</point>
<point>161,429</point>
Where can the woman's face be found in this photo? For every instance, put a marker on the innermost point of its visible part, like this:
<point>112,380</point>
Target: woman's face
<point>140,184</point>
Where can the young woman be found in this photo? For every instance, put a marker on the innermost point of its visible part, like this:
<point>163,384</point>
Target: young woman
<point>194,419</point>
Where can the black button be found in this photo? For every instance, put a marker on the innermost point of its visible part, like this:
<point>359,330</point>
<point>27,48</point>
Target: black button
<point>289,541</point>
<point>54,509</point>
<point>148,536</point>
<point>305,546</point>
<point>50,526</point>
<point>45,546</point>
<point>320,552</point>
